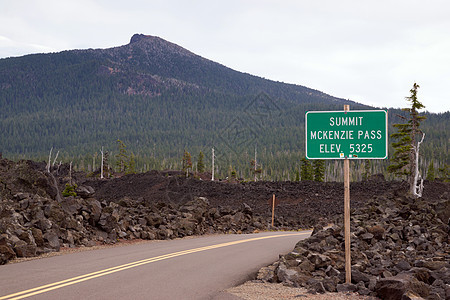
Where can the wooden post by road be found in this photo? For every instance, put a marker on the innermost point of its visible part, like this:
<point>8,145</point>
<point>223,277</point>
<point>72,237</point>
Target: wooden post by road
<point>348,263</point>
<point>273,208</point>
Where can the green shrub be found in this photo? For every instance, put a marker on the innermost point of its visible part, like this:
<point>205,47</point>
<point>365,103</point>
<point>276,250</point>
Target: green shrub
<point>69,190</point>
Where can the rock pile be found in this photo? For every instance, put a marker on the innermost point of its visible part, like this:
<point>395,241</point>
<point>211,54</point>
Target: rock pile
<point>400,249</point>
<point>31,224</point>
<point>35,219</point>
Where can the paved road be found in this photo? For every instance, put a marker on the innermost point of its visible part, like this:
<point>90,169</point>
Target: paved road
<point>191,268</point>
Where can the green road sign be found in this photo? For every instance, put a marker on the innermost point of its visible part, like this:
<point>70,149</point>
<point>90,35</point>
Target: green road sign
<point>357,134</point>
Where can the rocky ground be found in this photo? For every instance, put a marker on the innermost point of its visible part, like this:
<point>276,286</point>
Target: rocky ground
<point>392,234</point>
<point>400,249</point>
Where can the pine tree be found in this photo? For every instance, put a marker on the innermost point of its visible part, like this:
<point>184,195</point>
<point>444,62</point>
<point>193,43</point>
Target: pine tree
<point>405,159</point>
<point>319,170</point>
<point>367,167</point>
<point>444,173</point>
<point>431,175</point>
<point>122,156</point>
<point>306,170</point>
<point>400,162</point>
<point>187,162</point>
<point>69,190</point>
<point>297,175</point>
<point>106,164</point>
<point>200,163</point>
<point>131,166</point>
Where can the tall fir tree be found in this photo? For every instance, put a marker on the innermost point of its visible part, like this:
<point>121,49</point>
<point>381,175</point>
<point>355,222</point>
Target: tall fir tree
<point>367,168</point>
<point>297,175</point>
<point>404,161</point>
<point>187,162</point>
<point>444,173</point>
<point>318,166</point>
<point>306,170</point>
<point>200,163</point>
<point>131,166</point>
<point>122,156</point>
<point>431,174</point>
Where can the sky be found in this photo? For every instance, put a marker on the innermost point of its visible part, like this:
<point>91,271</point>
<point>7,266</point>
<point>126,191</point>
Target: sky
<point>368,51</point>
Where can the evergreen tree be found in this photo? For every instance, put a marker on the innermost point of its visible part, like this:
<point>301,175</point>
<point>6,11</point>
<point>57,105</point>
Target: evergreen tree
<point>318,166</point>
<point>200,163</point>
<point>106,164</point>
<point>400,161</point>
<point>69,190</point>
<point>187,162</point>
<point>297,175</point>
<point>444,173</point>
<point>131,166</point>
<point>405,154</point>
<point>367,167</point>
<point>306,170</point>
<point>431,175</point>
<point>122,156</point>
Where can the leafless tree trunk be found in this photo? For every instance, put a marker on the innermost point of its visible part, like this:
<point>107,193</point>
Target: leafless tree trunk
<point>59,166</point>
<point>54,161</point>
<point>212,170</point>
<point>49,160</point>
<point>70,173</point>
<point>417,188</point>
<point>101,167</point>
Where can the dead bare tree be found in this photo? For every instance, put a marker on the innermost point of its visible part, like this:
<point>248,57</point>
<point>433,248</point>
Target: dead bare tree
<point>70,173</point>
<point>49,160</point>
<point>212,170</point>
<point>101,167</point>
<point>418,187</point>
<point>56,157</point>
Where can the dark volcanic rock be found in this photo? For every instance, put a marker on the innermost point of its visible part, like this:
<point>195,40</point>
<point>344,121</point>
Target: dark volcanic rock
<point>393,288</point>
<point>51,239</point>
<point>389,232</point>
<point>400,250</point>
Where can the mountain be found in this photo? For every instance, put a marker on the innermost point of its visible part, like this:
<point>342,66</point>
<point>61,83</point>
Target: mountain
<point>158,98</point>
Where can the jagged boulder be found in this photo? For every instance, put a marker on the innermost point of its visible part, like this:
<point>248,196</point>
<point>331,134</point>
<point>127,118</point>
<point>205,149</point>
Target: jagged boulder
<point>396,287</point>
<point>85,191</point>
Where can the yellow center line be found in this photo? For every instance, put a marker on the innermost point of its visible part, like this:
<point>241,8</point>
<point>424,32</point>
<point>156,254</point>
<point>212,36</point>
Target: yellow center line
<point>85,277</point>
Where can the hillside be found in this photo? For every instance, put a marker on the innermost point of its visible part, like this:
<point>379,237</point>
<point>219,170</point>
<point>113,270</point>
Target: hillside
<point>160,99</point>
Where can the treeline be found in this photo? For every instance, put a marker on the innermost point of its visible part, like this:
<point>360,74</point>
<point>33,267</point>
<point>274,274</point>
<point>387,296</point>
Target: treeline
<point>275,166</point>
<point>161,100</point>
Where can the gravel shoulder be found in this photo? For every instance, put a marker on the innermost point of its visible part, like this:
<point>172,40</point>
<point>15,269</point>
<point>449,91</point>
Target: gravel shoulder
<point>275,291</point>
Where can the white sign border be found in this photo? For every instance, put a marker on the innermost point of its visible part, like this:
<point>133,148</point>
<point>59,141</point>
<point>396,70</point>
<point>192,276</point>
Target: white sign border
<point>334,111</point>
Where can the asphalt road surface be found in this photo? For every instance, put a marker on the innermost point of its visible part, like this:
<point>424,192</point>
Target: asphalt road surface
<point>190,268</point>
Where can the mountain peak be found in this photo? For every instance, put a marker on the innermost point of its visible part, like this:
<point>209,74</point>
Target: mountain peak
<point>138,37</point>
<point>156,45</point>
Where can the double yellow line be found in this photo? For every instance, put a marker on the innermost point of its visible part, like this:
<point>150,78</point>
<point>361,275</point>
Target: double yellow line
<point>81,278</point>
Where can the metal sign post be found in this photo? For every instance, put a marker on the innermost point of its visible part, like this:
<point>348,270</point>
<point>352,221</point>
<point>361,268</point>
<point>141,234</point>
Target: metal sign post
<point>359,134</point>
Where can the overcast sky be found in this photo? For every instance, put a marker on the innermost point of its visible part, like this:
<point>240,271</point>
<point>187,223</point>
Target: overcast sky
<point>369,51</point>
